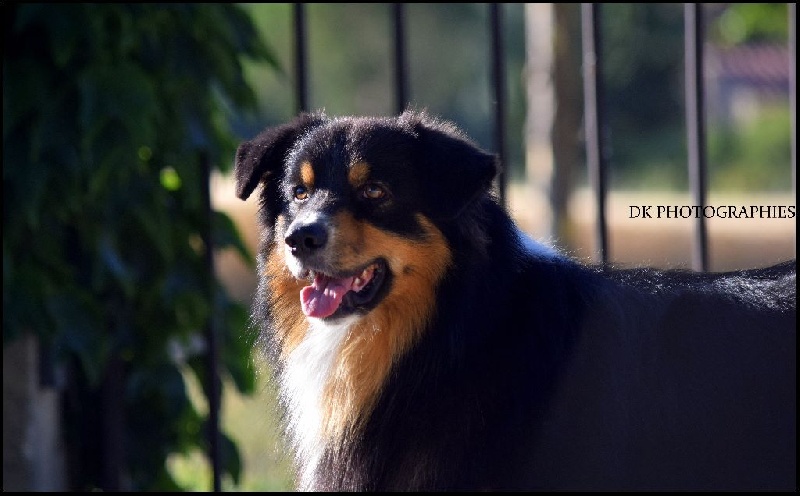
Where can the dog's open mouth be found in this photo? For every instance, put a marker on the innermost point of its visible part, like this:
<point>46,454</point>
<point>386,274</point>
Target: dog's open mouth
<point>328,295</point>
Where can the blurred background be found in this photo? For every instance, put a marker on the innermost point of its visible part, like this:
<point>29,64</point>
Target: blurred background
<point>128,261</point>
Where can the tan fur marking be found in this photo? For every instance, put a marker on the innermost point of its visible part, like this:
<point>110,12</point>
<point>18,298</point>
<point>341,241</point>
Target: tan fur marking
<point>307,175</point>
<point>284,298</point>
<point>385,333</point>
<point>358,174</point>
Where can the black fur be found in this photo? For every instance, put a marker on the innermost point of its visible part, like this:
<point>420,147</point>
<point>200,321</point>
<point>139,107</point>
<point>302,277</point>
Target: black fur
<point>541,373</point>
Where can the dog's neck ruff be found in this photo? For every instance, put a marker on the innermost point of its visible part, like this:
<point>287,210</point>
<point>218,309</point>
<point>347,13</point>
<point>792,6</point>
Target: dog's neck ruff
<point>307,373</point>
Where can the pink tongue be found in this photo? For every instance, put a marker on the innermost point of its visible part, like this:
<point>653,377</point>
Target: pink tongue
<point>324,295</point>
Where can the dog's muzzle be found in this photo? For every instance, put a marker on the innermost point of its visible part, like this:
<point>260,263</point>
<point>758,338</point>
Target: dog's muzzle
<point>332,290</point>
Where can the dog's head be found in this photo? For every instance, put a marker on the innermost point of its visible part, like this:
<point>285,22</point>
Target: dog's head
<point>356,217</point>
<point>352,205</point>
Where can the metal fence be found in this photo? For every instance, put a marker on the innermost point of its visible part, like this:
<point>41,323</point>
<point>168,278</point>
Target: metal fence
<point>594,114</point>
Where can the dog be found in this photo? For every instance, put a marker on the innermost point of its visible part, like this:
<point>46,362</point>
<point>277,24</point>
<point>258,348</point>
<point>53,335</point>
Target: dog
<point>421,341</point>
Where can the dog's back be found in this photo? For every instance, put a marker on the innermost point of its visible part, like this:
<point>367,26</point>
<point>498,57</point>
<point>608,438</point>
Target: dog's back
<point>678,381</point>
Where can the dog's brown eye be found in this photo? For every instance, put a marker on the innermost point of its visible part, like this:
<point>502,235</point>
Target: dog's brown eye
<point>300,193</point>
<point>373,192</point>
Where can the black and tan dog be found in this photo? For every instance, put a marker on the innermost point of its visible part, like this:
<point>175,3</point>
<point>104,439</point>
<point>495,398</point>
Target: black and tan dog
<point>422,343</point>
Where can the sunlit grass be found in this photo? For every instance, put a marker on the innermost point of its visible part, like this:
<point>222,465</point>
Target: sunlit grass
<point>252,422</point>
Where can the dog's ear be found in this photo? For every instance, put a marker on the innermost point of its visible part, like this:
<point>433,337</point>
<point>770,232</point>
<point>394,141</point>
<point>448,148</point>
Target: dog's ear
<point>455,170</point>
<point>261,158</point>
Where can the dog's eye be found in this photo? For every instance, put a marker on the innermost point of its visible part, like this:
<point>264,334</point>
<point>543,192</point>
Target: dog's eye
<point>373,191</point>
<point>300,193</point>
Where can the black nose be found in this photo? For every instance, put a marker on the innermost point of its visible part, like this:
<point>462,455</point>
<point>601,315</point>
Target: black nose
<point>306,239</point>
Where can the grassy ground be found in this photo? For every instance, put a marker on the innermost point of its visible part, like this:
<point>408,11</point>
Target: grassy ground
<point>252,422</point>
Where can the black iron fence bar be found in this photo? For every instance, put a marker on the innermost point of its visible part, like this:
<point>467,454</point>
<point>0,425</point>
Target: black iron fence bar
<point>695,127</point>
<point>112,426</point>
<point>300,58</point>
<point>593,118</point>
<point>400,64</point>
<point>498,72</point>
<point>212,355</point>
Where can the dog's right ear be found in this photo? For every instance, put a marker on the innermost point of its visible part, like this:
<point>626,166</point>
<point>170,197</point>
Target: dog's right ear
<point>261,158</point>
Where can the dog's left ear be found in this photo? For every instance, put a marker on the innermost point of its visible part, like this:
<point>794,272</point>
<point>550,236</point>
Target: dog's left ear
<point>261,158</point>
<point>455,170</point>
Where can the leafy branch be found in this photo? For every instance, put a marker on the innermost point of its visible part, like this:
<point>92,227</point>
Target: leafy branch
<point>107,111</point>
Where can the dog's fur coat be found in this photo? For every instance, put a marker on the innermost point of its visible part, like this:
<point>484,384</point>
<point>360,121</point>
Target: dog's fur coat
<point>420,344</point>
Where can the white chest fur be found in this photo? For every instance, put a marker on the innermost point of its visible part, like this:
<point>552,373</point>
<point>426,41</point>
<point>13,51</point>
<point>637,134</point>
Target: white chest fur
<point>306,373</point>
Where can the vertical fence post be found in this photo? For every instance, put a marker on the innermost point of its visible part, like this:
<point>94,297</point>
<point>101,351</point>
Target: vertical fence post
<point>400,65</point>
<point>499,95</point>
<point>211,334</point>
<point>593,116</point>
<point>695,127</point>
<point>301,83</point>
<point>112,421</point>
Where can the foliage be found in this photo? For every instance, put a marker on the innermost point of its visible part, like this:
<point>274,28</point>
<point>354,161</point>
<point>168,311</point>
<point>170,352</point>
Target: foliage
<point>751,23</point>
<point>644,93</point>
<point>109,111</point>
<point>643,49</point>
<point>755,157</point>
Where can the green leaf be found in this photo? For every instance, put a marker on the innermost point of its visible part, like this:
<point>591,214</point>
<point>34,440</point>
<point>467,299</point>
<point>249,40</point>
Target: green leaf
<point>114,263</point>
<point>80,332</point>
<point>230,460</point>
<point>239,339</point>
<point>119,94</point>
<point>170,179</point>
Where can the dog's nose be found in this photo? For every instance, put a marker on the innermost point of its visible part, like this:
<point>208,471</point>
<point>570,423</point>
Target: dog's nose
<point>306,239</point>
